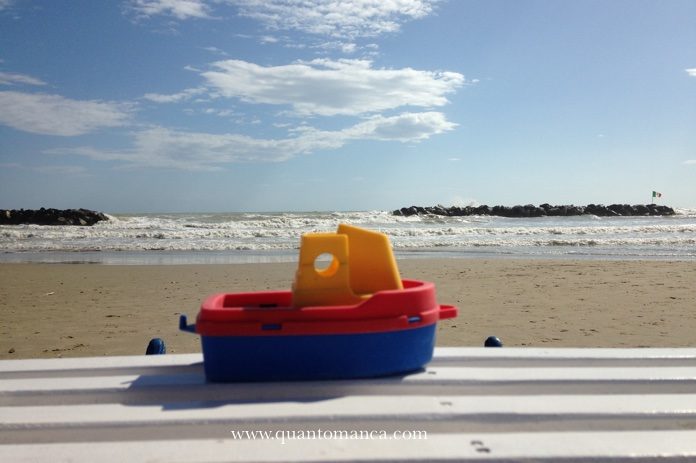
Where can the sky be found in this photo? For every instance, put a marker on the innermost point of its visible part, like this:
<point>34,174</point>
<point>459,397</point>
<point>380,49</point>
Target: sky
<point>309,105</point>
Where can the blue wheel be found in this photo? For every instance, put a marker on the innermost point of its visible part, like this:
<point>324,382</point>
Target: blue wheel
<point>493,341</point>
<point>156,347</point>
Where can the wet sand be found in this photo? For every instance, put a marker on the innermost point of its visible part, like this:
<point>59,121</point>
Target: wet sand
<point>75,310</point>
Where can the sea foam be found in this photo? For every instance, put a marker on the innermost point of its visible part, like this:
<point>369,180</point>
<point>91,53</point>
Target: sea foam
<point>668,237</point>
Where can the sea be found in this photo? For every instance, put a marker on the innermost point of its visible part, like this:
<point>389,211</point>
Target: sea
<point>224,238</point>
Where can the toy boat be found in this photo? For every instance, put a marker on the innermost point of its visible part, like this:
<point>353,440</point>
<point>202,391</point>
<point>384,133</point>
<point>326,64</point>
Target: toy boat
<point>355,318</point>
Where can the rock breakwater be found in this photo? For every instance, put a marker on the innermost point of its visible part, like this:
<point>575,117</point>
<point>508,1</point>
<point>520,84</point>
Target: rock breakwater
<point>530,210</point>
<point>43,216</point>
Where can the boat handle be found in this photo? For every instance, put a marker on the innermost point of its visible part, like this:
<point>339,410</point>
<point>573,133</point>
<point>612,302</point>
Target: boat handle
<point>447,311</point>
<point>184,326</point>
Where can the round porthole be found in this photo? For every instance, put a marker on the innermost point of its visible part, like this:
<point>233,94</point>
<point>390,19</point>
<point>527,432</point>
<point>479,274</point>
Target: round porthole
<point>326,264</point>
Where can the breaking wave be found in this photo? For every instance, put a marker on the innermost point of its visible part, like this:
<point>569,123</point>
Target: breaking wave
<point>673,236</point>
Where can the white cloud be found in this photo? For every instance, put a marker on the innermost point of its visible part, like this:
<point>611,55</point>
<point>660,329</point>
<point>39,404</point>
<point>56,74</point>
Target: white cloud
<point>176,97</point>
<point>345,47</point>
<point>348,48</point>
<point>690,161</point>
<point>341,18</point>
<point>5,4</point>
<point>268,39</point>
<point>215,50</point>
<point>326,87</point>
<point>691,72</point>
<point>180,9</point>
<point>9,78</point>
<point>406,127</point>
<point>56,115</point>
<point>162,147</point>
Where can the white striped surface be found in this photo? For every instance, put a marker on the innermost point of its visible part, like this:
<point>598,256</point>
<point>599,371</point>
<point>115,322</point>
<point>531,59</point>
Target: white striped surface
<point>475,404</point>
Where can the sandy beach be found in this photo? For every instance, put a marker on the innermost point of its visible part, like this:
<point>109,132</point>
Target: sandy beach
<point>75,310</point>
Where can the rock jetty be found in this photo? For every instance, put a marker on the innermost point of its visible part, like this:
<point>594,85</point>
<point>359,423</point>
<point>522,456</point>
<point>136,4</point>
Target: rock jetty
<point>529,210</point>
<point>83,217</point>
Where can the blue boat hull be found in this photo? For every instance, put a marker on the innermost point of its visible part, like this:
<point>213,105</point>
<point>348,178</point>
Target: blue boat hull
<point>317,357</point>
